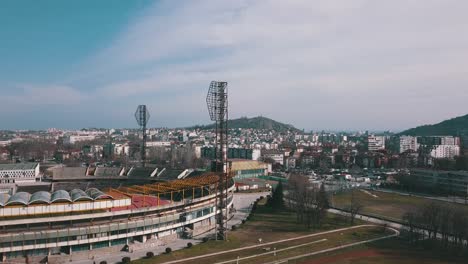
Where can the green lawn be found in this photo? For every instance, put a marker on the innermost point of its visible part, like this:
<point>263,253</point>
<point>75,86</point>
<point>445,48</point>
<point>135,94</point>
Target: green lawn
<point>390,251</point>
<point>389,205</point>
<point>272,226</point>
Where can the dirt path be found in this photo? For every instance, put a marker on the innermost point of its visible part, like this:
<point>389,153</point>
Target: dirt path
<point>344,256</point>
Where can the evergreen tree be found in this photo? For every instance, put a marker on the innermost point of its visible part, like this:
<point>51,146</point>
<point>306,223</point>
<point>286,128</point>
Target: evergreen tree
<point>276,200</point>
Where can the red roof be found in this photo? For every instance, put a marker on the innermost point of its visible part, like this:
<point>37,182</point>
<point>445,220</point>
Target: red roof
<point>140,201</point>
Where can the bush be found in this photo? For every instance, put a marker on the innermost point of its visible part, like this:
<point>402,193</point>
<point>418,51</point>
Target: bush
<point>126,260</point>
<point>168,250</point>
<point>149,254</point>
<point>189,244</point>
<point>103,262</point>
<point>205,239</point>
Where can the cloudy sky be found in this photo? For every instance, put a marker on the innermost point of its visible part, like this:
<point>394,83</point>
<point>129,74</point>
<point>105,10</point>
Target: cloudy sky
<point>354,65</point>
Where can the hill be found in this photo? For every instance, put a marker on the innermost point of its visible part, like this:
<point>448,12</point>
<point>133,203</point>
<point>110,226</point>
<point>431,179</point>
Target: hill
<point>451,127</point>
<point>259,122</point>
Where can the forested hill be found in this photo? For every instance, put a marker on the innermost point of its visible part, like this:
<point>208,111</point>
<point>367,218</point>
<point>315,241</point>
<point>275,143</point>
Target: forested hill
<point>259,122</point>
<point>451,127</point>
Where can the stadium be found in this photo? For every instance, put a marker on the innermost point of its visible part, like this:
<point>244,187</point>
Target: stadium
<point>55,227</point>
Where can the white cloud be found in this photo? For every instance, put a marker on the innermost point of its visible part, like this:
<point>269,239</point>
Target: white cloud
<point>47,95</point>
<point>360,63</point>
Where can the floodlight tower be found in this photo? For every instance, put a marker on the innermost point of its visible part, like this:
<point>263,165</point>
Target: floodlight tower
<point>142,116</point>
<point>217,101</point>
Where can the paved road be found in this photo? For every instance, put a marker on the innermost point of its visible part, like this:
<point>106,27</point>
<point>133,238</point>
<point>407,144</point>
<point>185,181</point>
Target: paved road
<point>243,204</point>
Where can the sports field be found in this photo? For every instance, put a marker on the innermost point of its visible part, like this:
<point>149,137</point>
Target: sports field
<point>393,250</point>
<point>389,205</point>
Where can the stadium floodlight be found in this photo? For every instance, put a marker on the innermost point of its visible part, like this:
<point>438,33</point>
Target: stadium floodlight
<point>142,116</point>
<point>217,102</point>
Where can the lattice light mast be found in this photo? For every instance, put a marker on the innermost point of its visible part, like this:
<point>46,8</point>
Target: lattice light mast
<point>217,101</point>
<point>142,116</point>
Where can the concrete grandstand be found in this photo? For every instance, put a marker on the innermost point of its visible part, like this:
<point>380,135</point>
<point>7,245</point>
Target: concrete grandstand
<point>56,227</point>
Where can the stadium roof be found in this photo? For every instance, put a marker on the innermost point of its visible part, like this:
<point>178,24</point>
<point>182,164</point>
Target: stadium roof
<point>79,195</point>
<point>19,198</point>
<point>39,197</point>
<point>69,172</point>
<point>60,196</point>
<point>139,172</point>
<point>42,197</point>
<point>4,198</point>
<point>107,171</point>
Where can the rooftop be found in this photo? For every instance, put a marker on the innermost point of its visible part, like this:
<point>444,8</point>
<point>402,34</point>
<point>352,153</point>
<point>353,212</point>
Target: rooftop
<point>18,166</point>
<point>247,165</point>
<point>43,197</point>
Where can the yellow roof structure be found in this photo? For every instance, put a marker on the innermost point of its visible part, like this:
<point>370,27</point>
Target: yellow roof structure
<point>238,165</point>
<point>170,186</point>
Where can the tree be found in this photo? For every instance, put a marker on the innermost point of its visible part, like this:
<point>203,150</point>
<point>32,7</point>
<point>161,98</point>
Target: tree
<point>323,203</point>
<point>276,201</point>
<point>410,220</point>
<point>354,207</point>
<point>309,202</point>
<point>297,185</point>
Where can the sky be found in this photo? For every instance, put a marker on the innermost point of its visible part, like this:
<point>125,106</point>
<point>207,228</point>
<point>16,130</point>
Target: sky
<point>333,65</point>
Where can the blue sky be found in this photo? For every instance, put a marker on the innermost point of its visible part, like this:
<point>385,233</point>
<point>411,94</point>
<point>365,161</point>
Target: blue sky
<point>315,64</point>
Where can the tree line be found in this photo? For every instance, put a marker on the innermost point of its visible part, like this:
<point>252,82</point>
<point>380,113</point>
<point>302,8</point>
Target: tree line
<point>309,202</point>
<point>444,226</point>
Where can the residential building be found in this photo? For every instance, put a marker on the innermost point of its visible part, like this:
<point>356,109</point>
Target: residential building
<point>375,143</point>
<point>72,139</point>
<point>408,143</point>
<point>276,155</point>
<point>445,151</point>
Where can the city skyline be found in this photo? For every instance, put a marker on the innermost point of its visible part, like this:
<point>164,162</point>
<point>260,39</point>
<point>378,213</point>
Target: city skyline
<point>314,64</point>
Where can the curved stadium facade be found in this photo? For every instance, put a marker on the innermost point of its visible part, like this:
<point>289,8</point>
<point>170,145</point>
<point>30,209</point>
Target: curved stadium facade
<point>56,227</point>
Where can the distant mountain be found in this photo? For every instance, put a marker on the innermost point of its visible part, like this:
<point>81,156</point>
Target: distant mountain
<point>451,127</point>
<point>259,122</point>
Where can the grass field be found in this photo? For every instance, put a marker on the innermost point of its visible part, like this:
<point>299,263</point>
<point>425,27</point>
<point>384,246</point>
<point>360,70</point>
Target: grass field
<point>394,250</point>
<point>389,205</point>
<point>272,226</point>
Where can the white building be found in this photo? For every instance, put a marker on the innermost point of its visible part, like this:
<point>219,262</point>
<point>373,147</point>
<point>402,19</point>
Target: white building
<point>445,151</point>
<point>78,138</point>
<point>276,155</point>
<point>19,173</point>
<point>408,143</point>
<point>256,154</point>
<point>442,147</point>
<point>158,144</point>
<point>375,143</point>
<point>122,149</point>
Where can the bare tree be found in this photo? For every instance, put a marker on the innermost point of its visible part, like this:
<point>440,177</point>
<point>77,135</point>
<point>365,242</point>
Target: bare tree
<point>354,208</point>
<point>410,219</point>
